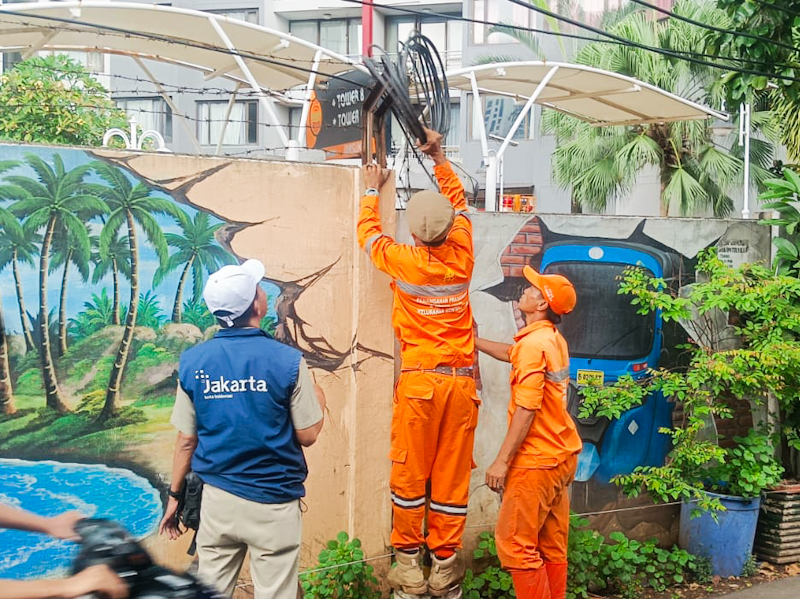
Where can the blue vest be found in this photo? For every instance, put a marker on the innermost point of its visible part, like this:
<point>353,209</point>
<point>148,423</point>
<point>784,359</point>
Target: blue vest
<point>241,383</point>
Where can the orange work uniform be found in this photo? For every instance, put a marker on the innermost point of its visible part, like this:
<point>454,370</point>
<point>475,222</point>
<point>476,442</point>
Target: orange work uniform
<point>533,523</point>
<point>435,403</point>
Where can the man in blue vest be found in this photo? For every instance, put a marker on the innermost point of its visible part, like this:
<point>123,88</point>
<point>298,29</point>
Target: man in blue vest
<point>244,409</point>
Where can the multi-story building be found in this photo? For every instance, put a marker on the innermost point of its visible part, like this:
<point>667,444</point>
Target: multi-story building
<point>190,111</point>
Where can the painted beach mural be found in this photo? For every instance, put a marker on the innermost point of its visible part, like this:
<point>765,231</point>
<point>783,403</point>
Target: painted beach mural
<point>103,258</point>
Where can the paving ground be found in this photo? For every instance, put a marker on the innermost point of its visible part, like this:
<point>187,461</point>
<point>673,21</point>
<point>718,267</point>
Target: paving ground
<point>785,588</point>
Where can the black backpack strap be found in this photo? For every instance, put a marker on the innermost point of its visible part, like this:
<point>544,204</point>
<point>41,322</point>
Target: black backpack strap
<point>193,546</point>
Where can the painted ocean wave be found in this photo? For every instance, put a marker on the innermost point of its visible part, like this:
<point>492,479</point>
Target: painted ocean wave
<point>50,488</point>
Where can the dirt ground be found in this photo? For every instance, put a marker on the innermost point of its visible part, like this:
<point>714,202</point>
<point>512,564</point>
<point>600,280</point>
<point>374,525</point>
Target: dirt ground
<point>721,586</point>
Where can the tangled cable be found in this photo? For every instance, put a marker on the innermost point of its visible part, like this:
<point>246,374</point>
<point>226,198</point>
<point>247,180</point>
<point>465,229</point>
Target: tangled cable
<point>419,67</point>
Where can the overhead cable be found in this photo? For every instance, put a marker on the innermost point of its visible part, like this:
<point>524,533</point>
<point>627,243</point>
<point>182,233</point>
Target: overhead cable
<point>696,23</point>
<point>662,51</point>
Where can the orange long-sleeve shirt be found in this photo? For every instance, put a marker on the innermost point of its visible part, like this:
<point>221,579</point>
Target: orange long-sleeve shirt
<point>431,314</point>
<point>539,379</point>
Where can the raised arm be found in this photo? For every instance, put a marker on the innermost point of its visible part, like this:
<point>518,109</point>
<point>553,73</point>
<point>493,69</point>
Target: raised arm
<point>384,252</point>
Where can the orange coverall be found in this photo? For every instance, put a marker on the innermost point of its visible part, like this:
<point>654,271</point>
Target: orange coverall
<point>435,412</point>
<point>533,524</point>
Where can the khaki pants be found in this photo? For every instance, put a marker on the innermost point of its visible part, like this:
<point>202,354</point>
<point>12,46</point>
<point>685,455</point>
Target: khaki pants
<point>230,525</point>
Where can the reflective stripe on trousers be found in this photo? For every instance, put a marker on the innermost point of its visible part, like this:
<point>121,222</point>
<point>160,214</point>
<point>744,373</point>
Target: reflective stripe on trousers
<point>433,429</point>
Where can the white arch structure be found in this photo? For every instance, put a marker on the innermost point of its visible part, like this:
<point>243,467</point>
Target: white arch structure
<point>266,60</point>
<point>602,98</point>
<point>260,58</point>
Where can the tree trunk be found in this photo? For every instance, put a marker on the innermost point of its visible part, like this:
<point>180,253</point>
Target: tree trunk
<point>23,314</point>
<point>176,310</point>
<point>6,392</point>
<point>115,380</point>
<point>53,397</point>
<point>62,308</point>
<point>115,307</point>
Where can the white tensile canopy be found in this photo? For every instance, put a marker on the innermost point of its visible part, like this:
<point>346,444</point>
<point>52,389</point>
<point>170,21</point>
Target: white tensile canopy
<point>600,97</point>
<point>263,59</point>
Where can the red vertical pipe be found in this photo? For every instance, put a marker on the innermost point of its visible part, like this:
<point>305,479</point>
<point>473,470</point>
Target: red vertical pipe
<point>367,13</point>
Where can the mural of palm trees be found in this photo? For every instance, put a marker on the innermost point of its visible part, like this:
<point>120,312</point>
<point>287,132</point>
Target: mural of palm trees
<point>68,251</point>
<point>54,202</point>
<point>97,313</point>
<point>20,246</point>
<point>198,252</point>
<point>129,205</point>
<point>116,259</point>
<point>10,226</point>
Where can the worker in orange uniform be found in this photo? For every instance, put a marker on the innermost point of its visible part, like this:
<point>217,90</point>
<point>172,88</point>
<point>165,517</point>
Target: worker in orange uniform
<point>435,403</point>
<point>537,460</point>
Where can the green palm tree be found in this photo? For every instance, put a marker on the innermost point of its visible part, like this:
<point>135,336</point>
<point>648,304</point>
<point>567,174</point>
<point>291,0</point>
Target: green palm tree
<point>198,252</point>
<point>68,251</point>
<point>97,313</point>
<point>57,201</point>
<point>116,259</point>
<point>9,226</point>
<point>16,249</point>
<point>129,205</point>
<point>150,313</point>
<point>196,313</point>
<point>600,163</point>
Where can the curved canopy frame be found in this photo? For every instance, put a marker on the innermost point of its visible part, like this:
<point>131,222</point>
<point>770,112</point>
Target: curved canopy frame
<point>602,98</point>
<point>263,59</point>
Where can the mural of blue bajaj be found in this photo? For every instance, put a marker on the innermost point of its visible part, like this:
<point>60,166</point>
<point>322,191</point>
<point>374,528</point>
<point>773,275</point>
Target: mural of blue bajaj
<point>608,339</point>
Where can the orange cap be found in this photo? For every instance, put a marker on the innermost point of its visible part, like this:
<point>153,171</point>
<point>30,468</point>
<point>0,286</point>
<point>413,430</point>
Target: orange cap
<point>557,291</point>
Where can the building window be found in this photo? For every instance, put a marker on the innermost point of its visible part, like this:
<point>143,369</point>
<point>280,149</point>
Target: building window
<point>150,113</point>
<point>250,15</point>
<point>10,60</point>
<point>242,127</point>
<point>498,11</point>
<point>499,114</point>
<point>339,35</point>
<point>446,35</point>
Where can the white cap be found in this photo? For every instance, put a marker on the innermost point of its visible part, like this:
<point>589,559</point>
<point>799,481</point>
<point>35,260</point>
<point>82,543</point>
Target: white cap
<point>230,291</point>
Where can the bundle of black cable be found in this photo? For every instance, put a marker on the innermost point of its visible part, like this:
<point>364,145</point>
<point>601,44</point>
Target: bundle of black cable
<point>415,87</point>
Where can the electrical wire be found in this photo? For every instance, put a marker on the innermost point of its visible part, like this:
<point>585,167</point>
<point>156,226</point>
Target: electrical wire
<point>788,11</point>
<point>662,51</point>
<point>714,28</point>
<point>121,31</point>
<point>447,16</point>
<point>419,67</point>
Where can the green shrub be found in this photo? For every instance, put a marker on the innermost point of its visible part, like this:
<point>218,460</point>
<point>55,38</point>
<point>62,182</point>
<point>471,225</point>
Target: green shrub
<point>345,576</point>
<point>492,582</point>
<point>30,383</point>
<point>623,566</point>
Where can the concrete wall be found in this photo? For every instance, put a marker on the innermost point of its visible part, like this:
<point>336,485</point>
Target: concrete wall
<point>325,299</point>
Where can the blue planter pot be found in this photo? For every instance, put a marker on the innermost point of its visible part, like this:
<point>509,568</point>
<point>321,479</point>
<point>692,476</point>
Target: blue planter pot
<point>727,543</point>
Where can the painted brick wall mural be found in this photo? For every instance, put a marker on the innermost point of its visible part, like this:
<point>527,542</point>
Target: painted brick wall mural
<point>607,338</point>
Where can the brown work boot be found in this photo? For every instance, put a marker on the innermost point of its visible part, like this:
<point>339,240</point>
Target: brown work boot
<point>406,576</point>
<point>446,576</point>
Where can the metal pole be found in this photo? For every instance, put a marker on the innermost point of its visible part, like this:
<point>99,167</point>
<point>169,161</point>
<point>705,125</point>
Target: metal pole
<point>367,25</point>
<point>744,139</point>
<point>521,116</point>
<point>265,100</point>
<point>491,183</point>
<point>228,110</point>
<point>312,79</point>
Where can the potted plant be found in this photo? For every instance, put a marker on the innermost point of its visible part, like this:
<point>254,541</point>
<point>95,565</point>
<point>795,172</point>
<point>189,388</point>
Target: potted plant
<point>745,347</point>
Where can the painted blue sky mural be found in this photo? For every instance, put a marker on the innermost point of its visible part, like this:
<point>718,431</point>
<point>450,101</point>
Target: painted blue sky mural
<point>79,291</point>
